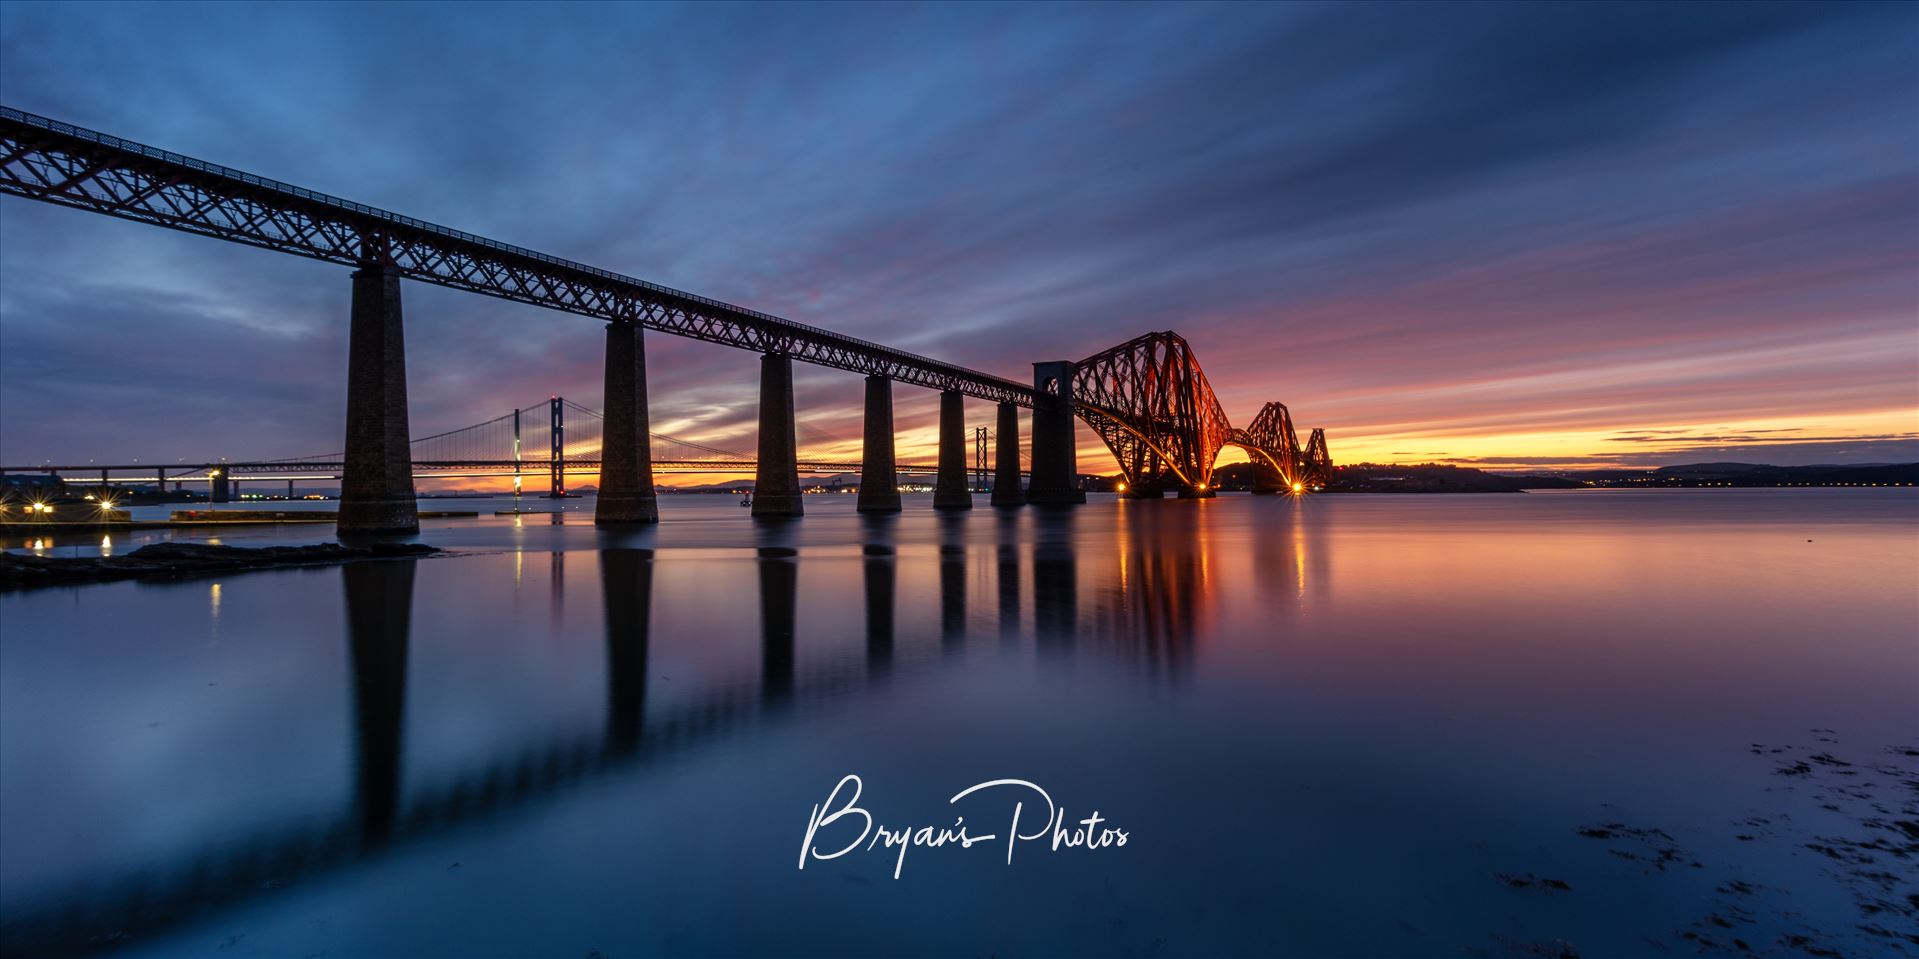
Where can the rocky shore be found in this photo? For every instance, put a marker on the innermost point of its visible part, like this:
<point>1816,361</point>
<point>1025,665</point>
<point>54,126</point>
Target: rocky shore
<point>161,560</point>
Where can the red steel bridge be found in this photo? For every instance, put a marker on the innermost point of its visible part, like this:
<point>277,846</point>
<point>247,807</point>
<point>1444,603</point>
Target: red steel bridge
<point>1147,398</point>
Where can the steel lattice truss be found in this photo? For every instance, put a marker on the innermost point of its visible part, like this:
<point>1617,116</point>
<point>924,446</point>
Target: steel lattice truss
<point>1271,442</point>
<point>1317,465</point>
<point>1149,400</point>
<point>58,163</point>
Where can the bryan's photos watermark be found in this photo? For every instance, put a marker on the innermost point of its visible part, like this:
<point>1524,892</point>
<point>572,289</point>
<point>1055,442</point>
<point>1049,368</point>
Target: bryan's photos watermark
<point>840,825</point>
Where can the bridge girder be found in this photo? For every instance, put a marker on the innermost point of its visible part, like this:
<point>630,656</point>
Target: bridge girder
<point>1272,443</point>
<point>1149,400</point>
<point>1318,460</point>
<point>54,162</point>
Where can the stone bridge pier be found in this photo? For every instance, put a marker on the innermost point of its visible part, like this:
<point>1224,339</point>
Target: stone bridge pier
<point>879,468</point>
<point>1055,471</point>
<point>950,490</point>
<point>776,480</point>
<point>1006,479</point>
<point>376,485</point>
<point>626,454</point>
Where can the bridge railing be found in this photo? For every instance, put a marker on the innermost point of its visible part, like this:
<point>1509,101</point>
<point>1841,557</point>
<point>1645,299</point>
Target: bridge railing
<point>1001,388</point>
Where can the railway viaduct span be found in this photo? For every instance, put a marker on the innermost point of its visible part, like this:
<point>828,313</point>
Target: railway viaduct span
<point>1147,398</point>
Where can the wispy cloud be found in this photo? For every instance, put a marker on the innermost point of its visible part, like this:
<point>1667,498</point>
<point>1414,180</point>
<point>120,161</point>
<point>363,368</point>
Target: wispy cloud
<point>1418,225</point>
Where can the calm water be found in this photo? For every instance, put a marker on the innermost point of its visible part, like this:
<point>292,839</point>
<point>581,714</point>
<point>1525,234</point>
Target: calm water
<point>1343,726</point>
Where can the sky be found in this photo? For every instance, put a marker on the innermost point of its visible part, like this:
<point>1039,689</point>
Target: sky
<point>1511,236</point>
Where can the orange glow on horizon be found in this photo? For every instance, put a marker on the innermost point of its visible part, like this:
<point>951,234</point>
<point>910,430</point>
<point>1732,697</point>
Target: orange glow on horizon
<point>1626,447</point>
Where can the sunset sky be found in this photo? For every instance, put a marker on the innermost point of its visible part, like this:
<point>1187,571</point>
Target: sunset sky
<point>1509,236</point>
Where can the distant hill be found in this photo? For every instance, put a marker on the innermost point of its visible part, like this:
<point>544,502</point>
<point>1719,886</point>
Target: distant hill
<point>1427,478</point>
<point>1390,478</point>
<point>1743,475</point>
<point>1442,478</point>
<point>745,484</point>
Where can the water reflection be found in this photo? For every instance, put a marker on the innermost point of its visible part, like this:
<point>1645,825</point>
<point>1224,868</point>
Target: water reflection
<point>779,575</point>
<point>626,579</point>
<point>1006,532</point>
<point>880,575</point>
<point>952,562</point>
<point>557,595</point>
<point>1146,609</point>
<point>1144,593</point>
<point>1055,584</point>
<point>1153,615</point>
<point>379,610</point>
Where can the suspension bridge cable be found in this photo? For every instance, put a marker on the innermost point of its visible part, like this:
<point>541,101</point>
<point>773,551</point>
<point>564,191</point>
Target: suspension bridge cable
<point>492,439</point>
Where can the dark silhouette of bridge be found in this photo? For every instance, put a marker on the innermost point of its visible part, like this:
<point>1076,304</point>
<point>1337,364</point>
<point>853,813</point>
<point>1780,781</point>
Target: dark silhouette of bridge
<point>1147,398</point>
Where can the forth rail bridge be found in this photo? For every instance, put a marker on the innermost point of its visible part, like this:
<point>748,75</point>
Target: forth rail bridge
<point>1147,398</point>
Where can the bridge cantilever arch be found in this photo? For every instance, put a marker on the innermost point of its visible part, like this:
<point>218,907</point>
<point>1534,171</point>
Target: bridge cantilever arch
<point>1147,399</point>
<point>1150,401</point>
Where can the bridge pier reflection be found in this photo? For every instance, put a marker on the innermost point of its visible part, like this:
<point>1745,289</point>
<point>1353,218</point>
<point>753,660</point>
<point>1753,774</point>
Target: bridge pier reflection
<point>879,471</point>
<point>879,570</point>
<point>626,581</point>
<point>376,483</point>
<point>776,478</point>
<point>779,574</point>
<point>1055,584</point>
<point>1007,556</point>
<point>626,449</point>
<point>952,570</point>
<point>379,607</point>
<point>1145,604</point>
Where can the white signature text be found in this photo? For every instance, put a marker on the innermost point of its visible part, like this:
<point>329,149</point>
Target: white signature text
<point>840,825</point>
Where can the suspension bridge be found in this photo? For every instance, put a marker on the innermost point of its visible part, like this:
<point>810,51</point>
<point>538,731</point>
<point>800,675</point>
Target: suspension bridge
<point>547,441</point>
<point>1148,398</point>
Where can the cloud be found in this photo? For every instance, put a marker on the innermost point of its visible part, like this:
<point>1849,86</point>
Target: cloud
<point>1402,220</point>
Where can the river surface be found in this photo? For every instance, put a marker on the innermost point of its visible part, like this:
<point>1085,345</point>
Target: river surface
<point>1602,723</point>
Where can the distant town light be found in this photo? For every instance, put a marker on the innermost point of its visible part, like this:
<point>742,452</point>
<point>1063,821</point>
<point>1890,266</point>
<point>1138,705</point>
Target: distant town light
<point>1299,487</point>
